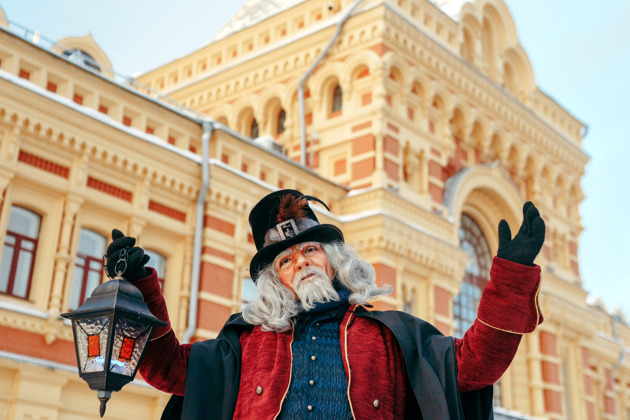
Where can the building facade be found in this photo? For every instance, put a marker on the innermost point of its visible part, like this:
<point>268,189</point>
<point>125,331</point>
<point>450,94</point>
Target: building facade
<point>419,123</point>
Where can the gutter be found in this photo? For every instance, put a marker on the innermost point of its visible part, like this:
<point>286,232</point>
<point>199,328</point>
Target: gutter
<point>208,128</point>
<point>308,72</point>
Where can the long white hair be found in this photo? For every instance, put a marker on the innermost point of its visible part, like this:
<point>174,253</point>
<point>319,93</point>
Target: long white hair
<point>275,304</point>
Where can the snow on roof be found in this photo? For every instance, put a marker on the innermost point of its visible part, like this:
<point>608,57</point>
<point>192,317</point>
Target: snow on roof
<point>451,7</point>
<point>252,12</point>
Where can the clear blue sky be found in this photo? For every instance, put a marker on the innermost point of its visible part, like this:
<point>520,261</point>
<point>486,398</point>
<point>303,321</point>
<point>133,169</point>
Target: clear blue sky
<point>579,49</point>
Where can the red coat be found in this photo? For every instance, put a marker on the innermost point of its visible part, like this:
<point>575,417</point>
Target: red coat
<point>507,309</point>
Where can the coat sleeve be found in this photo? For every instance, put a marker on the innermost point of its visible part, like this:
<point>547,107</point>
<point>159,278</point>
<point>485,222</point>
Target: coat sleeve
<point>508,309</point>
<point>165,361</point>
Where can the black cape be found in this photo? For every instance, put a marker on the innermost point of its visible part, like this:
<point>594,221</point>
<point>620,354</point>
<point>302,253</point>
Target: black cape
<point>214,367</point>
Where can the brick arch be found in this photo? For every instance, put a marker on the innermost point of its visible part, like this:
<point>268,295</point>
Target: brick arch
<point>322,84</point>
<point>470,30</point>
<point>241,116</point>
<point>488,189</point>
<point>353,64</point>
<point>459,121</point>
<point>524,79</point>
<point>496,146</point>
<point>393,61</point>
<point>514,158</point>
<point>498,12</point>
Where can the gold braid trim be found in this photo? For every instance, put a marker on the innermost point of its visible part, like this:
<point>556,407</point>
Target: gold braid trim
<point>157,338</point>
<point>500,329</point>
<point>537,316</point>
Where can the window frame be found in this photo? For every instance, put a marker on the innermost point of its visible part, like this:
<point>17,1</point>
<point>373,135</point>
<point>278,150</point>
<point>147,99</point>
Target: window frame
<point>86,267</point>
<point>16,255</point>
<point>473,238</point>
<point>17,251</point>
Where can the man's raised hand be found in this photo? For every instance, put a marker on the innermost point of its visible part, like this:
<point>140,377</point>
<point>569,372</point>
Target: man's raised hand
<point>136,258</point>
<point>526,245</point>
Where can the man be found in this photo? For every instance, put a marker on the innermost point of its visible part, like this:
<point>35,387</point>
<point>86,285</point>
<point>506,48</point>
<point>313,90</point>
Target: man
<point>308,347</point>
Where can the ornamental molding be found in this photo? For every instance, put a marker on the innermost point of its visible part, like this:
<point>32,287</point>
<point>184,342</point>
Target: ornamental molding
<point>380,199</point>
<point>94,155</point>
<point>571,317</point>
<point>486,177</point>
<point>397,237</point>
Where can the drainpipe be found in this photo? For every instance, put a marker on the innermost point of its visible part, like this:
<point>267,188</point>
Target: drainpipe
<point>620,341</point>
<point>305,76</point>
<point>208,128</point>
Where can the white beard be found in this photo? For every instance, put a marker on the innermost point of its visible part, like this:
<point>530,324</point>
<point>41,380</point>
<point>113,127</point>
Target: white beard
<point>316,289</point>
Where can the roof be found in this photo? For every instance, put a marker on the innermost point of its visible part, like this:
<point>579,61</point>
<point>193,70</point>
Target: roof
<point>451,7</point>
<point>254,11</point>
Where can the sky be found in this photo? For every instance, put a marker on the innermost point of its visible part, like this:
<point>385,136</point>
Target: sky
<point>579,50</point>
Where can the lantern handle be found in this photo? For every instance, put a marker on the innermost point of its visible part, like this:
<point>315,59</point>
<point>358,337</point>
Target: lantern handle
<point>121,264</point>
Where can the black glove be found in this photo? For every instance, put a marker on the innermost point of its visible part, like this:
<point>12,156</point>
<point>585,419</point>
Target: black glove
<point>527,242</point>
<point>136,259</point>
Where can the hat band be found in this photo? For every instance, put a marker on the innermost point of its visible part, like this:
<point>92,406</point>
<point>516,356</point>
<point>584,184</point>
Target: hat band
<point>288,229</point>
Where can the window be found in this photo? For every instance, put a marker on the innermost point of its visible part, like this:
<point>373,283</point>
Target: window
<point>282,116</point>
<point>337,99</point>
<point>88,268</point>
<point>82,58</point>
<point>157,261</point>
<point>254,129</point>
<point>18,254</point>
<point>250,292</point>
<point>476,276</point>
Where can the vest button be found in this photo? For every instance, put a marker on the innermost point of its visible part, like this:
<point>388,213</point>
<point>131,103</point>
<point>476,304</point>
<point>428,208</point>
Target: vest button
<point>313,358</point>
<point>311,382</point>
<point>376,404</point>
<point>259,390</point>
<point>309,407</point>
<point>313,338</point>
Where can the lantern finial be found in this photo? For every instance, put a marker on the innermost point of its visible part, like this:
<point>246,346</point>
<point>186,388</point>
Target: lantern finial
<point>103,396</point>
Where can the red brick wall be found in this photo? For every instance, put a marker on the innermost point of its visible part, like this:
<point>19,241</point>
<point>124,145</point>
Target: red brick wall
<point>212,316</point>
<point>363,144</point>
<point>553,401</point>
<point>363,168</point>
<point>548,343</point>
<point>215,279</point>
<point>442,301</point>
<point>218,224</point>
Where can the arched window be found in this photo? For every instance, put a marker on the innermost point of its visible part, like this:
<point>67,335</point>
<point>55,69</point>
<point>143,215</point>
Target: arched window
<point>337,99</point>
<point>88,269</point>
<point>477,273</point>
<point>253,132</point>
<point>157,261</point>
<point>18,254</point>
<point>282,116</point>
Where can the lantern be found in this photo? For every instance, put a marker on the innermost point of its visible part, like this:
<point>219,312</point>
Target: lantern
<point>111,331</point>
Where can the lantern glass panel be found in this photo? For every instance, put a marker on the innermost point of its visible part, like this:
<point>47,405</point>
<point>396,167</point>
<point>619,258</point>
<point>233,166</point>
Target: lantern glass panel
<point>129,342</point>
<point>91,337</point>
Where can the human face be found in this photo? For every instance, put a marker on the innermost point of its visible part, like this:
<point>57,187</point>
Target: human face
<point>290,262</point>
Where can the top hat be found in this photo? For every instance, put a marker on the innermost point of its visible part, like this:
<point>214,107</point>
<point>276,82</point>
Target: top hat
<point>281,220</point>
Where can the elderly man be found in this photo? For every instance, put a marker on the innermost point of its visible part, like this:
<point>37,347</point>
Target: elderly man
<point>309,347</point>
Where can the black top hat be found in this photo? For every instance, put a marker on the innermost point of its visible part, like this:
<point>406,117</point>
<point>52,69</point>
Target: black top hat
<point>281,220</point>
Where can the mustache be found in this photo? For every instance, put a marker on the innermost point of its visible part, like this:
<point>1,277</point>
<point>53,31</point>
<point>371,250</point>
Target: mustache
<point>318,288</point>
<point>309,272</point>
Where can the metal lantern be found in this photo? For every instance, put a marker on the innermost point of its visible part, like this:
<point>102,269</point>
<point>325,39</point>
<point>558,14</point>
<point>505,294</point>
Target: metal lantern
<point>111,332</point>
